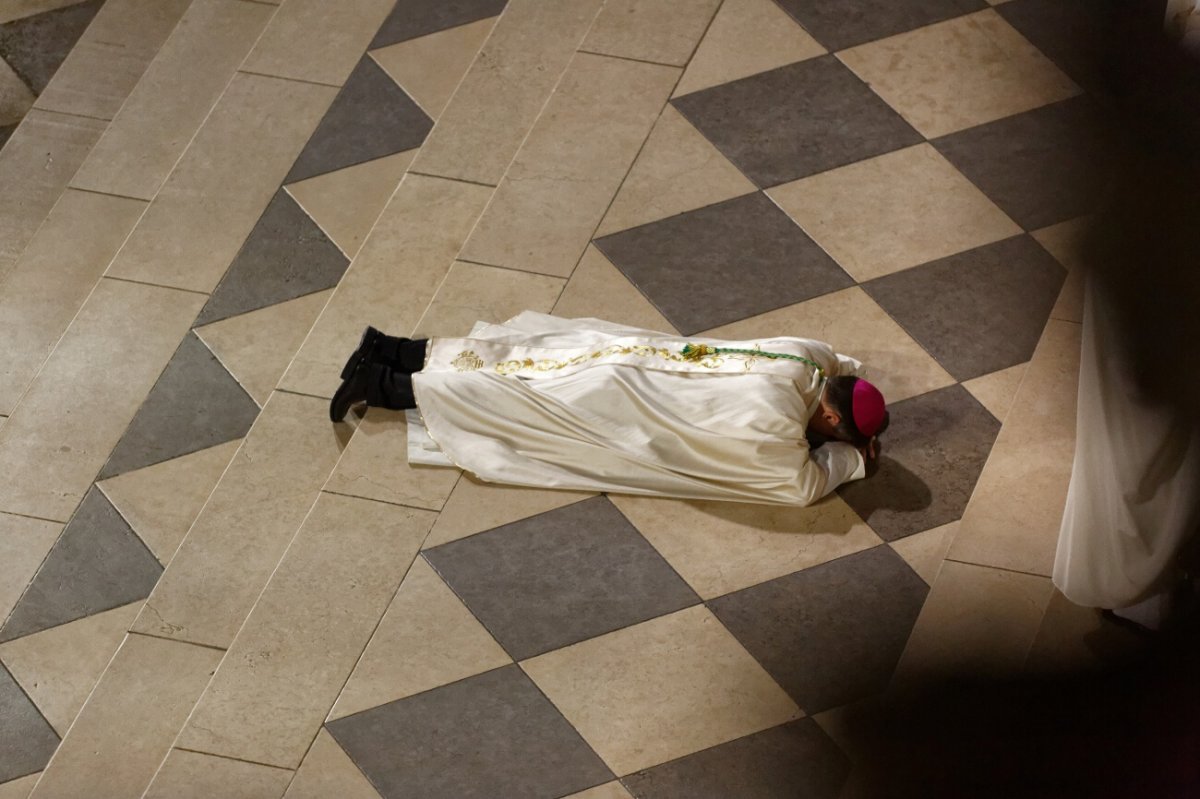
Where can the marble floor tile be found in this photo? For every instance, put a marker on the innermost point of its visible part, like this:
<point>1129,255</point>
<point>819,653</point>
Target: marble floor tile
<point>328,771</point>
<point>995,391</point>
<point>1074,639</point>
<point>838,25</point>
<point>833,633</point>
<point>893,212</point>
<point>491,735</point>
<point>24,543</point>
<point>661,690</point>
<point>36,44</point>
<point>192,773</point>
<point>411,20</point>
<point>924,552</point>
<point>19,788</point>
<point>930,459</point>
<point>429,68</point>
<point>567,171</point>
<point>720,547</point>
<point>723,263</point>
<point>475,506</point>
<point>26,738</point>
<point>195,404</point>
<point>15,97</point>
<point>399,662</point>
<point>795,759</point>
<point>602,572</point>
<point>959,73</point>
<point>978,311</point>
<point>598,289</point>
<point>609,790</point>
<point>473,293</point>
<point>1065,242</point>
<point>662,31</point>
<point>796,120</point>
<point>1075,34</point>
<point>19,9</point>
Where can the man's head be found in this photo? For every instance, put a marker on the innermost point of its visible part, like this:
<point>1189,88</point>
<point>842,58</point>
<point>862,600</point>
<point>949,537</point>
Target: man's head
<point>851,410</point>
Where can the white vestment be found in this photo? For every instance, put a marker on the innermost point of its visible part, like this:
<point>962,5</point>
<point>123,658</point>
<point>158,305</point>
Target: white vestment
<point>588,404</point>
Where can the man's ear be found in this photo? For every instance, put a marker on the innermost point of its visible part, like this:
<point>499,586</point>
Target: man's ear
<point>832,417</point>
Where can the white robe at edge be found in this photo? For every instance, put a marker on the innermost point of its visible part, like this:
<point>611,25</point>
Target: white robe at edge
<point>588,404</point>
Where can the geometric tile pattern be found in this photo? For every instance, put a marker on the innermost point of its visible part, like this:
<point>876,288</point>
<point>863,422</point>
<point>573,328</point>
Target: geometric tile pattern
<point>35,46</point>
<point>26,739</point>
<point>1071,32</point>
<point>839,24</point>
<point>414,18</point>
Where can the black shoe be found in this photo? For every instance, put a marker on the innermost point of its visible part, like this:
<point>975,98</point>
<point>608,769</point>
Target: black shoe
<point>352,391</point>
<point>366,349</point>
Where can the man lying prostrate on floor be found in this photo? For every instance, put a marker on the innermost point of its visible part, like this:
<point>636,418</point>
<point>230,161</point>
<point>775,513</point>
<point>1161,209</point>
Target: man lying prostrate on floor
<point>591,405</point>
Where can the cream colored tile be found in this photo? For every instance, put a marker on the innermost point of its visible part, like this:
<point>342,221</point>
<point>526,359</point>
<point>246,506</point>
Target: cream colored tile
<point>898,210</point>
<point>959,73</point>
<point>660,690</point>
<point>678,170</point>
<point>424,225</point>
<point>256,347</point>
<point>1065,242</point>
<point>17,9</point>
<point>52,278</point>
<point>598,289</point>
<point>557,189</point>
<point>1073,638</point>
<point>745,38</point>
<point>609,790</point>
<point>246,525</point>
<point>160,502</point>
<point>24,543</point>
<point>925,551</point>
<point>995,391</point>
<point>224,180</point>
<point>346,203</point>
<point>472,293</point>
<point>856,326</point>
<point>663,31</point>
<point>430,67</point>
<point>317,41</point>
<point>53,445</point>
<point>180,87</point>
<point>494,107</point>
<point>720,547</point>
<point>15,97</point>
<point>120,738</point>
<point>59,667</point>
<point>111,56</point>
<point>1013,518</point>
<point>19,788</point>
<point>426,639</point>
<point>976,621</point>
<point>307,630</point>
<point>35,165</point>
<point>475,506</point>
<point>193,774</point>
<point>328,771</point>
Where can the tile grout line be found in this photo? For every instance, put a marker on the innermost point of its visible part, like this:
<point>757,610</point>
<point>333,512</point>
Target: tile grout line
<point>448,177</point>
<point>74,114</point>
<point>109,193</point>
<point>511,269</point>
<point>640,60</point>
<point>240,71</point>
<point>153,285</point>
<point>175,640</point>
<point>217,754</point>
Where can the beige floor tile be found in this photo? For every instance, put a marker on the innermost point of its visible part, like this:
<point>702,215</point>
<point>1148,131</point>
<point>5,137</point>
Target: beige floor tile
<point>15,97</point>
<point>191,774</point>
<point>19,788</point>
<point>745,38</point>
<point>281,676</point>
<point>180,87</point>
<point>898,210</point>
<point>598,289</point>
<point>959,73</point>
<point>995,391</point>
<point>661,690</point>
<point>663,31</point>
<point>609,790</point>
<point>224,180</point>
<point>52,278</point>
<point>430,67</point>
<point>678,170</point>
<point>111,56</point>
<point>346,203</point>
<point>1074,638</point>
<point>1065,241</point>
<point>977,621</point>
<point>24,543</point>
<point>244,529</point>
<point>36,164</point>
<point>568,170</point>
<point>257,347</point>
<point>53,446</point>
<point>494,107</point>
<point>473,293</point>
<point>423,227</point>
<point>926,550</point>
<point>59,667</point>
<point>160,502</point>
<point>120,738</point>
<point>18,9</point>
<point>720,547</point>
<point>856,326</point>
<point>317,41</point>
<point>327,771</point>
<point>1013,518</point>
<point>426,639</point>
<point>475,506</point>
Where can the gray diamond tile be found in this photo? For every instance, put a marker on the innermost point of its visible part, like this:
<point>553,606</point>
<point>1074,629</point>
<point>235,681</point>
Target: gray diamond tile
<point>932,455</point>
<point>797,120</point>
<point>794,759</point>
<point>1078,35</point>
<point>599,570</point>
<point>26,739</point>
<point>839,24</point>
<point>413,18</point>
<point>833,633</point>
<point>978,311</point>
<point>5,132</point>
<point>492,735</point>
<point>719,264</point>
<point>35,46</point>
<point>98,563</point>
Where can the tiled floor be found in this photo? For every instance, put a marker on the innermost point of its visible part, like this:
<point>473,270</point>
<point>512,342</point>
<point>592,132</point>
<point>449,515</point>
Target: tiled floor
<point>208,590</point>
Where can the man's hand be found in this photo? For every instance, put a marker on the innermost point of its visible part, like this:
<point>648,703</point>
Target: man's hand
<point>871,451</point>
